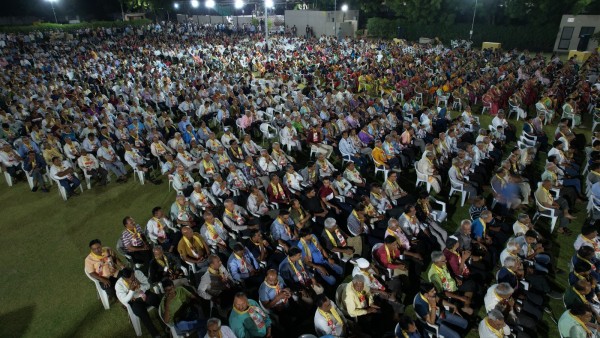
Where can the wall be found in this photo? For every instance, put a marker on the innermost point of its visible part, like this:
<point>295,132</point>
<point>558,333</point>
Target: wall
<point>577,21</point>
<point>322,22</point>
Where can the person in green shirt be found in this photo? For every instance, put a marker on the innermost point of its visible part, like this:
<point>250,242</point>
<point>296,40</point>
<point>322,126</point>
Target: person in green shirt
<point>443,281</point>
<point>247,319</point>
<point>178,307</point>
<point>575,323</point>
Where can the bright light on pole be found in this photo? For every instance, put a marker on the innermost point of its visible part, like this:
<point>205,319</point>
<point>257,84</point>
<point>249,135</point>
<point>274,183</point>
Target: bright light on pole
<point>269,4</point>
<point>176,5</point>
<point>239,4</point>
<point>344,8</point>
<point>210,4</point>
<point>195,3</point>
<point>53,11</point>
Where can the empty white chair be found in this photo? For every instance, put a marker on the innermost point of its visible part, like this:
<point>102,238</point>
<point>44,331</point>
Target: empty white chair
<point>457,186</point>
<point>268,131</point>
<point>382,169</point>
<point>139,175</point>
<point>102,295</point>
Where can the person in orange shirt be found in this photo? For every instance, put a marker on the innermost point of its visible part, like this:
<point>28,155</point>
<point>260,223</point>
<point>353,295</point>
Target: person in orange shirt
<point>381,158</point>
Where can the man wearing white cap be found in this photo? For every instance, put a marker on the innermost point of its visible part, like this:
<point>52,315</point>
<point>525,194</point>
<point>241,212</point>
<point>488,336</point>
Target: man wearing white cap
<point>376,284</point>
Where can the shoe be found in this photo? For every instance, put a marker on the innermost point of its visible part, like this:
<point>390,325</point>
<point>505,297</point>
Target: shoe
<point>34,189</point>
<point>45,190</point>
<point>555,295</point>
<point>559,272</point>
<point>547,310</point>
<point>397,170</point>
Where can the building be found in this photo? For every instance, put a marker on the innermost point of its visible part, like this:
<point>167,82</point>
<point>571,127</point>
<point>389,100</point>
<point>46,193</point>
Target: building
<point>323,22</point>
<point>575,33</point>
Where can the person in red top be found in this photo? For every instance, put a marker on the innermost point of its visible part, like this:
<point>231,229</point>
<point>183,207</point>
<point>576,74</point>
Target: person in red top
<point>327,195</point>
<point>314,137</point>
<point>278,193</point>
<point>388,256</point>
<point>457,262</point>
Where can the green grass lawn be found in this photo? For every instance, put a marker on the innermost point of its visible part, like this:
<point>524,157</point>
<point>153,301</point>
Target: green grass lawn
<point>44,292</point>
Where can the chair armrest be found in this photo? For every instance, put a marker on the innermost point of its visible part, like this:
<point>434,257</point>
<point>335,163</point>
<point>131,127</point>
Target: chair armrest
<point>442,204</point>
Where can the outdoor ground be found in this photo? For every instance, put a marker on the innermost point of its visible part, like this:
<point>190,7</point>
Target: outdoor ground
<point>44,292</point>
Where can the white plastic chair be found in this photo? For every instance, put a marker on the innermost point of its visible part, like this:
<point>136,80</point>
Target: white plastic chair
<point>8,178</point>
<point>542,211</point>
<point>29,178</point>
<point>139,175</point>
<point>438,215</point>
<point>513,109</point>
<point>457,103</point>
<point>422,178</point>
<point>389,272</point>
<point>171,327</point>
<point>444,99</point>
<point>433,331</point>
<point>135,320</point>
<point>102,295</point>
<point>382,169</point>
<point>486,106</point>
<point>268,131</point>
<point>456,186</point>
<point>419,98</point>
<point>62,191</point>
<point>596,119</point>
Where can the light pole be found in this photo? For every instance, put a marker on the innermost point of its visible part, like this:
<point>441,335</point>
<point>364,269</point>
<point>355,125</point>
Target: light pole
<point>473,22</point>
<point>335,18</point>
<point>53,11</point>
<point>268,4</point>
<point>210,4</point>
<point>344,10</point>
<point>239,4</point>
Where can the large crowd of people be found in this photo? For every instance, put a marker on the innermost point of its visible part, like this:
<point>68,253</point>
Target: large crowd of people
<point>294,164</point>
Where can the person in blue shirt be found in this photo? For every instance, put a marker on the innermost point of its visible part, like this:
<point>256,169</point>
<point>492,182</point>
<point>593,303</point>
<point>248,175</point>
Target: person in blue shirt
<point>315,257</point>
<point>406,328</point>
<point>244,268</point>
<point>283,230</point>
<point>294,273</point>
<point>427,307</point>
<point>182,125</point>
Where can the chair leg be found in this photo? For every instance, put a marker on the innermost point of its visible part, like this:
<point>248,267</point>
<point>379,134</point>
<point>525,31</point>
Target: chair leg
<point>464,198</point>
<point>553,224</point>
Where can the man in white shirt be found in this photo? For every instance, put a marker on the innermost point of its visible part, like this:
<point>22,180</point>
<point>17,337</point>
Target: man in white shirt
<point>10,160</point>
<point>65,175</point>
<point>138,162</point>
<point>71,149</point>
<point>347,148</point>
<point>183,181</point>
<point>216,330</point>
<point>91,167</point>
<point>156,229</point>
<point>107,154</point>
<point>91,143</point>
<point>329,320</point>
<point>133,289</point>
<point>493,326</point>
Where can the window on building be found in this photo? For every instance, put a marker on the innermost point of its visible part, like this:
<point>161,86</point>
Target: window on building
<point>565,38</point>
